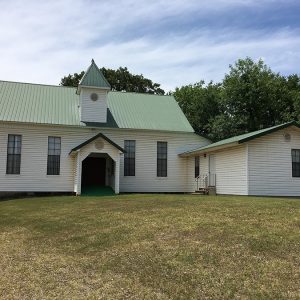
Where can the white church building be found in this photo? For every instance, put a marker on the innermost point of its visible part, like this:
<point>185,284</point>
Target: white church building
<point>65,139</point>
<point>62,139</point>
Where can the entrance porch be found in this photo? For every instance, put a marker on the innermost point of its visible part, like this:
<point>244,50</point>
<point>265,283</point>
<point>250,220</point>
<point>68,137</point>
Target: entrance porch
<point>97,164</point>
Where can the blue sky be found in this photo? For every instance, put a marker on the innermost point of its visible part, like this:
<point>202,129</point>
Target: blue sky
<point>172,42</point>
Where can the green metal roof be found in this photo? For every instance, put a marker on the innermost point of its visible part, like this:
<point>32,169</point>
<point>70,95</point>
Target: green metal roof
<point>239,139</point>
<point>133,110</point>
<point>93,77</point>
<point>35,103</point>
<point>45,104</point>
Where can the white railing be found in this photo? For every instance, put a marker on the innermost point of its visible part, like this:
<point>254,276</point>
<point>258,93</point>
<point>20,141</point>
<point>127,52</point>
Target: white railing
<point>203,181</point>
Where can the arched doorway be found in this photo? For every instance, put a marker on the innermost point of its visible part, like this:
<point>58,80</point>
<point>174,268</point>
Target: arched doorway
<point>89,170</point>
<point>97,174</point>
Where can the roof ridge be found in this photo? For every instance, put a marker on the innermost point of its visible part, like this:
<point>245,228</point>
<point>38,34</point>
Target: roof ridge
<point>140,93</point>
<point>42,84</point>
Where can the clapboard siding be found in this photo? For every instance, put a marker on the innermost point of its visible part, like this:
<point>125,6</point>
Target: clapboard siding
<point>34,159</point>
<point>231,171</point>
<point>270,164</point>
<point>93,111</point>
<point>180,170</point>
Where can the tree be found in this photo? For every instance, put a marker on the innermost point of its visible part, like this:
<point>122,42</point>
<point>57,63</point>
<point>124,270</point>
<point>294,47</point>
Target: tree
<point>200,103</point>
<point>120,80</point>
<point>250,97</point>
<point>254,98</point>
<point>72,80</point>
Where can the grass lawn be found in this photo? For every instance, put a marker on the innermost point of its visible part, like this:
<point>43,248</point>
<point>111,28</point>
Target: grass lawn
<point>150,247</point>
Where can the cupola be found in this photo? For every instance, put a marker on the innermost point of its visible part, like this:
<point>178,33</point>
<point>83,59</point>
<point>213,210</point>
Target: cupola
<point>93,89</point>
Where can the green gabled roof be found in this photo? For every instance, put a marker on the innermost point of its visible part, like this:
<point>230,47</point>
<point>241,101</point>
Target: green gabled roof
<point>58,105</point>
<point>239,139</point>
<point>94,138</point>
<point>36,103</point>
<point>134,110</point>
<point>93,77</point>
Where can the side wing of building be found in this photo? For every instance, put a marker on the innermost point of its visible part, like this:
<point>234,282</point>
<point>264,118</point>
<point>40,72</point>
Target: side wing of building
<point>270,163</point>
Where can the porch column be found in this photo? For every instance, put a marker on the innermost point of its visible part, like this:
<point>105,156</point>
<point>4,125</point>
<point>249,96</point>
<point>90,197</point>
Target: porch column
<point>117,175</point>
<point>77,186</point>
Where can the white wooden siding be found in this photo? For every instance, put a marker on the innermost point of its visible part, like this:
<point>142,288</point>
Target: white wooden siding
<point>270,164</point>
<point>34,159</point>
<point>93,111</point>
<point>230,169</point>
<point>180,170</point>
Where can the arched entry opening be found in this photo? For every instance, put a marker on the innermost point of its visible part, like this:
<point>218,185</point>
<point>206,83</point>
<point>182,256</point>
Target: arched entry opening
<point>94,159</point>
<point>97,174</point>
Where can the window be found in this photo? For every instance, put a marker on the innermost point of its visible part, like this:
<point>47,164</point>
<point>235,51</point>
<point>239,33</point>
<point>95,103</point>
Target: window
<point>295,162</point>
<point>162,153</point>
<point>54,147</point>
<point>129,158</point>
<point>13,163</point>
<point>197,170</point>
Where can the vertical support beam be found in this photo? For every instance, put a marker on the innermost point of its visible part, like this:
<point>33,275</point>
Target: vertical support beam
<point>107,171</point>
<point>247,169</point>
<point>117,175</point>
<point>77,187</point>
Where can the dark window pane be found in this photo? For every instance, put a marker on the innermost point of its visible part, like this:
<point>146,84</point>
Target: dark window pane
<point>162,158</point>
<point>129,158</point>
<point>54,151</point>
<point>53,166</point>
<point>295,162</point>
<point>14,144</point>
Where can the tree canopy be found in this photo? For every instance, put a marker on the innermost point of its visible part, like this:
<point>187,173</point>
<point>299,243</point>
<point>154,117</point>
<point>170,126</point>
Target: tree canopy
<point>250,97</point>
<point>120,80</point>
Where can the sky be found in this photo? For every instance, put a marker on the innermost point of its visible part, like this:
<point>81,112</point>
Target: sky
<point>172,42</point>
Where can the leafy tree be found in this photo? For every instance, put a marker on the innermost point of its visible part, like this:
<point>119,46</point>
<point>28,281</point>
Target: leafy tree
<point>255,97</point>
<point>120,80</point>
<point>72,80</point>
<point>250,97</point>
<point>200,103</point>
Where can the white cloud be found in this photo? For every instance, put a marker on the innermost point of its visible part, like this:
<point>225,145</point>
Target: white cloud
<point>42,41</point>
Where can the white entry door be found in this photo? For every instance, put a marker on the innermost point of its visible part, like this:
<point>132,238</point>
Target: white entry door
<point>212,170</point>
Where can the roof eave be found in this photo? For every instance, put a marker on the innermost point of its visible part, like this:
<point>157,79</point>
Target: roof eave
<point>91,87</point>
<point>207,150</point>
<point>283,126</point>
<point>94,138</point>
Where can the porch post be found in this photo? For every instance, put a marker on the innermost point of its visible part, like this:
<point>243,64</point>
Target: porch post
<point>117,175</point>
<point>77,188</point>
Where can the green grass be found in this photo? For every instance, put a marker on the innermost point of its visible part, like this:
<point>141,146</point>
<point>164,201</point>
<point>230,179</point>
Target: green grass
<point>150,247</point>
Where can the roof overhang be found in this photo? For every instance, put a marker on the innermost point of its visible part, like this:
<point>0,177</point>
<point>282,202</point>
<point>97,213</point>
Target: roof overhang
<point>91,87</point>
<point>237,140</point>
<point>206,149</point>
<point>94,138</point>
